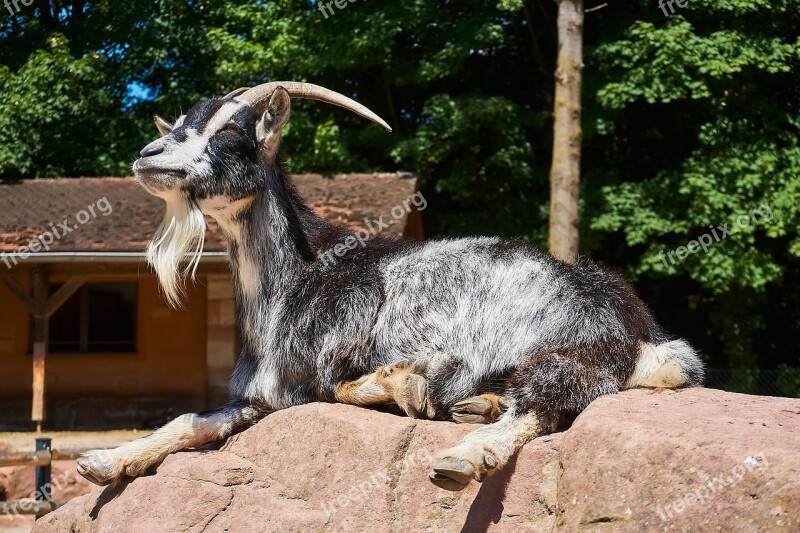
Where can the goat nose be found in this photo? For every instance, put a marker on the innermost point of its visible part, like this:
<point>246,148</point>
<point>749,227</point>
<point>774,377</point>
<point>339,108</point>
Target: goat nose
<point>151,150</point>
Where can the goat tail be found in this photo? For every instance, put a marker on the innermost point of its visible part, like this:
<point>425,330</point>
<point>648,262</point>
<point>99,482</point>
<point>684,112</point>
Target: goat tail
<point>670,364</point>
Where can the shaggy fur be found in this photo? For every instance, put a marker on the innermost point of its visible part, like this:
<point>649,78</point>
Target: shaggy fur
<point>480,315</point>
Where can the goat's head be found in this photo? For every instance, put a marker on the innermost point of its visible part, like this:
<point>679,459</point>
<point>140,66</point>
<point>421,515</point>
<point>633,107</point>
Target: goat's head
<point>213,160</point>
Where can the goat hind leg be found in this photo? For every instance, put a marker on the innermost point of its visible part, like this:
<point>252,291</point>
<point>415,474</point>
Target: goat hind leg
<point>485,450</point>
<point>109,467</point>
<point>551,383</point>
<point>484,409</point>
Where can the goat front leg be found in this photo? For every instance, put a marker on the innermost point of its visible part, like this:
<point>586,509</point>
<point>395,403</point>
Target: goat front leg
<point>401,384</point>
<point>109,467</point>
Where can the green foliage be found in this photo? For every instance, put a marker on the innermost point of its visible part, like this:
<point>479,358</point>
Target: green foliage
<point>704,122</point>
<point>690,122</point>
<point>495,159</point>
<point>53,108</point>
<point>789,381</point>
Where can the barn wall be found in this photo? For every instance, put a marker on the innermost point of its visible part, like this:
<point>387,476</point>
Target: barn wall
<point>170,359</point>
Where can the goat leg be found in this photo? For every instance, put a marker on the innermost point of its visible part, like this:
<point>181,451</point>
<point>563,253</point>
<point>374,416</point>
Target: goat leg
<point>483,409</point>
<point>401,384</point>
<point>110,467</point>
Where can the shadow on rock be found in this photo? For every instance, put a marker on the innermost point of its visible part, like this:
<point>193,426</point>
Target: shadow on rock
<point>487,507</point>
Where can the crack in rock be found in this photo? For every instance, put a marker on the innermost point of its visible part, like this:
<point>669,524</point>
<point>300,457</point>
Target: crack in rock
<point>401,458</point>
<point>221,512</point>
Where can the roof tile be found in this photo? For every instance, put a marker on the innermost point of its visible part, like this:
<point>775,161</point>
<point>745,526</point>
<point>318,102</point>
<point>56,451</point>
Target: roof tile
<point>30,208</point>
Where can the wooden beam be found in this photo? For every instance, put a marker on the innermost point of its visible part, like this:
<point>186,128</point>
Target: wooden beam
<point>41,332</point>
<point>40,457</point>
<point>31,458</point>
<point>63,294</point>
<point>20,293</point>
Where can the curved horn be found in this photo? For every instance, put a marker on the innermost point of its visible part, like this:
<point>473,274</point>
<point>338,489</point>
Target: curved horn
<point>307,91</point>
<point>237,92</point>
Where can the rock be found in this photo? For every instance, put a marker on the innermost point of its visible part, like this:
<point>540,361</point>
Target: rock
<point>690,460</point>
<point>630,462</point>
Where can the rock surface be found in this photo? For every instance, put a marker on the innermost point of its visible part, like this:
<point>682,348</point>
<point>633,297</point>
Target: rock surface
<point>637,461</point>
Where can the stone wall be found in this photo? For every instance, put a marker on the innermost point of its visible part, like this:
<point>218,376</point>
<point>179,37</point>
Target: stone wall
<point>221,348</point>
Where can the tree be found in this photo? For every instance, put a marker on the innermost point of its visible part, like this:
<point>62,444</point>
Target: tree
<point>53,108</point>
<point>697,128</point>
<point>565,173</point>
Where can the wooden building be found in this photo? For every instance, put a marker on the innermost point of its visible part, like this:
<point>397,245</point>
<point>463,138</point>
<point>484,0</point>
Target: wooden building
<point>86,338</point>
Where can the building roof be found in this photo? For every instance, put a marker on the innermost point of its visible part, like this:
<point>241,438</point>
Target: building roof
<point>30,208</point>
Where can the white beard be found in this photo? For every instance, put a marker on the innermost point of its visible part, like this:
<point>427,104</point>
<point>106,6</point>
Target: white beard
<point>177,246</point>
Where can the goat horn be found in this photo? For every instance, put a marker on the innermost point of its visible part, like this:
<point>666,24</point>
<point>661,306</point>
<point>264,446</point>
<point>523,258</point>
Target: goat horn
<point>237,92</point>
<point>306,91</point>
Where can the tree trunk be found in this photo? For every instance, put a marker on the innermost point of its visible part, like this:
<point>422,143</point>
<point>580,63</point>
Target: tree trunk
<point>566,167</point>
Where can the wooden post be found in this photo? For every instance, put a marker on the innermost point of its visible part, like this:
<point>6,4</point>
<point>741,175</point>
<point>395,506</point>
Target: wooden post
<point>42,308</point>
<point>41,335</point>
<point>565,171</point>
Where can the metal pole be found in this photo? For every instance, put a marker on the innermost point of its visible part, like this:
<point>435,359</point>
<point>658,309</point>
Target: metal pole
<point>43,486</point>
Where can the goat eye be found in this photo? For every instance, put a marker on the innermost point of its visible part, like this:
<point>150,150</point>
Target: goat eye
<point>233,128</point>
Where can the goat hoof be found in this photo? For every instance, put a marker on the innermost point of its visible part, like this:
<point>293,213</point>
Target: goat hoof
<point>408,388</point>
<point>478,409</point>
<point>95,469</point>
<point>470,419</point>
<point>416,397</point>
<point>452,472</point>
<point>476,404</point>
<point>446,483</point>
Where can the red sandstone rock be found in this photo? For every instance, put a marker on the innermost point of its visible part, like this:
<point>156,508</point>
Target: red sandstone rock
<point>691,460</point>
<point>627,461</point>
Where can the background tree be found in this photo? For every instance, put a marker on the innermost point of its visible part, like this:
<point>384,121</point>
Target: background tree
<point>697,126</point>
<point>565,173</point>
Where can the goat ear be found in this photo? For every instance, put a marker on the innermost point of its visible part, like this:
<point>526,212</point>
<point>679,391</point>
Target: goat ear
<point>163,126</point>
<point>268,130</point>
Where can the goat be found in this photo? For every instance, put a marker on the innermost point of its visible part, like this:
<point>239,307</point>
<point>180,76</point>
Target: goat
<point>476,330</point>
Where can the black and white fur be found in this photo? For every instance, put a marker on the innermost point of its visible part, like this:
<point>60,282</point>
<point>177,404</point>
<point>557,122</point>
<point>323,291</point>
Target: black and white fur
<point>481,315</point>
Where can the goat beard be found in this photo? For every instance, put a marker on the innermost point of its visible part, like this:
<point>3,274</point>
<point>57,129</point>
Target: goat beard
<point>176,248</point>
